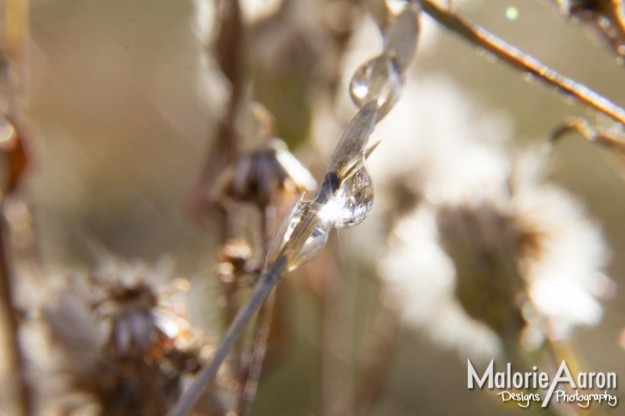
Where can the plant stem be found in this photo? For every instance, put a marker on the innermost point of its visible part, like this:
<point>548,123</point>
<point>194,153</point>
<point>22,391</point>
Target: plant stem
<point>266,282</point>
<point>225,147</point>
<point>521,61</point>
<point>253,369</point>
<point>253,361</point>
<point>11,312</point>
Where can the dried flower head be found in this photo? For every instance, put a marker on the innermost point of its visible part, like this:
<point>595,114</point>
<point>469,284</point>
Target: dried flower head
<point>269,174</point>
<point>123,348</point>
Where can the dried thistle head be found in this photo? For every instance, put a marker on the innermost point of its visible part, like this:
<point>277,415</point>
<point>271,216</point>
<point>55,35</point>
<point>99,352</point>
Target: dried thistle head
<point>270,174</point>
<point>487,244</point>
<point>123,348</point>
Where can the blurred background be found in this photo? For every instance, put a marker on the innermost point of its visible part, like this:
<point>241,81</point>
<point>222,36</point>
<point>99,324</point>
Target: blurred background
<point>123,121</point>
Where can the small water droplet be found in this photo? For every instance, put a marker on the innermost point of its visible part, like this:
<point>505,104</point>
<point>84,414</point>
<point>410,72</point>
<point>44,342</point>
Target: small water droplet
<point>604,22</point>
<point>352,202</point>
<point>529,77</point>
<point>512,13</point>
<point>376,80</point>
<point>568,98</point>
<point>302,235</point>
<point>489,56</point>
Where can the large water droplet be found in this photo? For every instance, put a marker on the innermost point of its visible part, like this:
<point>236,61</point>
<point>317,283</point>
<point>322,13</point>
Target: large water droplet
<point>302,235</point>
<point>352,202</point>
<point>376,80</point>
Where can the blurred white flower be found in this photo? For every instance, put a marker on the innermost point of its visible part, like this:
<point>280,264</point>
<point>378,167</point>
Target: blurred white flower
<point>489,247</point>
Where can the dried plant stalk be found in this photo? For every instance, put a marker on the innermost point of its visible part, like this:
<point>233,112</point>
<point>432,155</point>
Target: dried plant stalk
<point>507,53</point>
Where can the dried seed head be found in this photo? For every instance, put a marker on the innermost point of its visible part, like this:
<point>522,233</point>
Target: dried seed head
<point>123,348</point>
<point>267,175</point>
<point>487,244</point>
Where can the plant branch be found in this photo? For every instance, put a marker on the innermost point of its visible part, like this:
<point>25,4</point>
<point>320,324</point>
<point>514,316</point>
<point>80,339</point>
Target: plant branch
<point>253,368</point>
<point>11,312</point>
<point>252,363</point>
<point>224,149</point>
<point>521,61</point>
<point>267,281</point>
<point>12,13</point>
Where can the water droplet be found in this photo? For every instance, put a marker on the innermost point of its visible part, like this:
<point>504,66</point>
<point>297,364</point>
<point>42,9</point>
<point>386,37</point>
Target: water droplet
<point>568,98</point>
<point>302,235</point>
<point>400,38</point>
<point>529,77</point>
<point>604,22</point>
<point>376,80</point>
<point>512,13</point>
<point>352,202</point>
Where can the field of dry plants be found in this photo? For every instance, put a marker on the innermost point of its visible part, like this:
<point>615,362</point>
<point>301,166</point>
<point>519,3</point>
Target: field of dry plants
<point>309,208</point>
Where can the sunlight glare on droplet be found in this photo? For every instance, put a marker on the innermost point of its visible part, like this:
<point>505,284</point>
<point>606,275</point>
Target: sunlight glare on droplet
<point>331,211</point>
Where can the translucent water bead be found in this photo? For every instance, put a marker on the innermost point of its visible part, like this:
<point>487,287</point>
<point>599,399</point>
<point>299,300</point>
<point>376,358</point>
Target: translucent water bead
<point>302,235</point>
<point>378,80</point>
<point>352,201</point>
<point>400,38</point>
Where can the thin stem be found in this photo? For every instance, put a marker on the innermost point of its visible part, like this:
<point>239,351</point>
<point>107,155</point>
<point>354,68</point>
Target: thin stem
<point>253,361</point>
<point>11,312</point>
<point>224,149</point>
<point>519,60</point>
<point>267,281</point>
<point>11,81</point>
<point>254,366</point>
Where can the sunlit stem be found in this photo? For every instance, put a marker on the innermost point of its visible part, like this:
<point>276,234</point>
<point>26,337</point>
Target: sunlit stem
<point>518,59</point>
<point>589,133</point>
<point>268,279</point>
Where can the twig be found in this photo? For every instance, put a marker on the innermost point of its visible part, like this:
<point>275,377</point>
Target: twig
<point>13,149</point>
<point>589,133</point>
<point>10,310</point>
<point>253,369</point>
<point>265,285</point>
<point>253,362</point>
<point>519,60</point>
<point>224,149</point>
